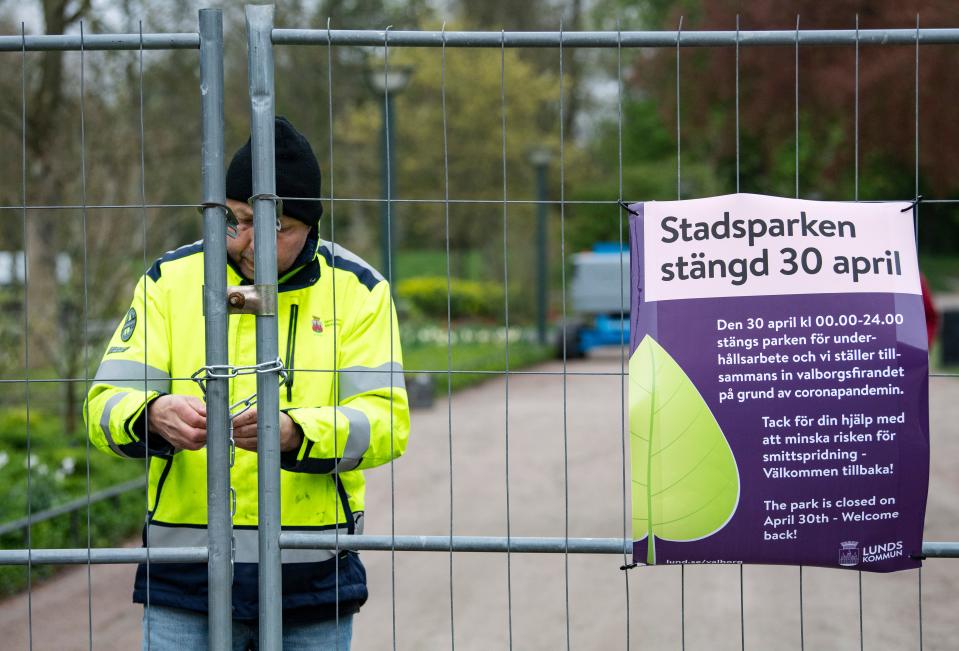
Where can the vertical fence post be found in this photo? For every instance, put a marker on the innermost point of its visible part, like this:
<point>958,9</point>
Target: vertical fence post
<point>259,25</point>
<point>219,518</point>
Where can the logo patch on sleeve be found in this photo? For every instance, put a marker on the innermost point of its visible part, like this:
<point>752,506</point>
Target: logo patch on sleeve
<point>129,325</point>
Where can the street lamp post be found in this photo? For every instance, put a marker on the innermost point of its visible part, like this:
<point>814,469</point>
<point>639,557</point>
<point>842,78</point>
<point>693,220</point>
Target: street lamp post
<point>386,84</point>
<point>540,158</point>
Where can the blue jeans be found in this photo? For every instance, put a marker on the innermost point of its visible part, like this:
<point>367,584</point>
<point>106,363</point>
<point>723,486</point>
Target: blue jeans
<point>175,629</point>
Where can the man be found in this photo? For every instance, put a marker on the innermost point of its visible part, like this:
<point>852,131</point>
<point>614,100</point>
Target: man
<point>334,312</point>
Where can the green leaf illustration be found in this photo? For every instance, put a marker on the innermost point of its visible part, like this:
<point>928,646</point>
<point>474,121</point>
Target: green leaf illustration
<point>685,479</point>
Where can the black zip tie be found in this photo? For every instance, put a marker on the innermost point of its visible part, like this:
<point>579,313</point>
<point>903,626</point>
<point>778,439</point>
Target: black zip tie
<point>232,223</point>
<point>912,206</point>
<point>626,568</point>
<point>277,202</point>
<point>917,557</point>
<point>214,204</point>
<point>625,206</point>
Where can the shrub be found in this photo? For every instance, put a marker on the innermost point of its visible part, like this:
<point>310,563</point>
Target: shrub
<point>58,473</point>
<point>45,428</point>
<point>467,298</point>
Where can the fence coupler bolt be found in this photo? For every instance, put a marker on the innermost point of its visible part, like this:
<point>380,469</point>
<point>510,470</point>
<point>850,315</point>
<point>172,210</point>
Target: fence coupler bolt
<point>251,299</point>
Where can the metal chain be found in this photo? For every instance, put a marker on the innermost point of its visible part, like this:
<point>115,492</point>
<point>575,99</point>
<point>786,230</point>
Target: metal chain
<point>226,372</point>
<point>244,405</point>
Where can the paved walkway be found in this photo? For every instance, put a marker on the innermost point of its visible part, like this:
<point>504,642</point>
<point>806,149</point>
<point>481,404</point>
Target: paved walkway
<point>526,596</point>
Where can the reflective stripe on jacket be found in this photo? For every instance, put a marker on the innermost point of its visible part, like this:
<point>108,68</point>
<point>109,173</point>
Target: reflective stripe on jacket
<point>338,331</point>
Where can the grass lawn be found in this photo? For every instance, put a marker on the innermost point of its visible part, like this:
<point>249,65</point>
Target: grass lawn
<point>485,358</point>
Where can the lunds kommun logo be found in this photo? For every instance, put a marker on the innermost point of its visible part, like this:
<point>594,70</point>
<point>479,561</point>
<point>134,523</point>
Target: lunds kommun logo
<point>849,553</point>
<point>882,552</point>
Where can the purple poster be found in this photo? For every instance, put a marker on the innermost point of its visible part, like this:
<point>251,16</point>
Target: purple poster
<point>778,383</point>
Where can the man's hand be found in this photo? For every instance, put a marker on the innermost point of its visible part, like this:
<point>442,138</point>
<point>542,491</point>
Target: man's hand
<point>244,432</point>
<point>179,419</point>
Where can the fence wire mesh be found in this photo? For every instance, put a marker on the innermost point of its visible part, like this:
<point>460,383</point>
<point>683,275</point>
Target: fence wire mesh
<point>534,462</point>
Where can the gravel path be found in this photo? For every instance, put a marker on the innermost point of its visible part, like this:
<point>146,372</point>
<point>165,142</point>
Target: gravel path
<point>524,597</point>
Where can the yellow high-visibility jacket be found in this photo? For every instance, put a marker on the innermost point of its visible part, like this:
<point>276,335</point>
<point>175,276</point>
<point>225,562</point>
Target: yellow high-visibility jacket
<point>338,332</point>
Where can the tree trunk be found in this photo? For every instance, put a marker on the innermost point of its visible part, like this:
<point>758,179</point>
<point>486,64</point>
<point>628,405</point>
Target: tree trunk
<point>41,290</point>
<point>45,107</point>
<point>572,73</point>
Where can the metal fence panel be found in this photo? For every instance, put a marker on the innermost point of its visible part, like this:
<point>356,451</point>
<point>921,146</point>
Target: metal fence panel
<point>209,40</point>
<point>219,446</point>
<point>262,37</point>
<point>565,544</point>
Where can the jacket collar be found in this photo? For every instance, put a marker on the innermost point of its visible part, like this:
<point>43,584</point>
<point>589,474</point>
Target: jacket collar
<point>304,272</point>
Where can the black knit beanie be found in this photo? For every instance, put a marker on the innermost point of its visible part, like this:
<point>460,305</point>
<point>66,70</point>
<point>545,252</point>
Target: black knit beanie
<point>297,174</point>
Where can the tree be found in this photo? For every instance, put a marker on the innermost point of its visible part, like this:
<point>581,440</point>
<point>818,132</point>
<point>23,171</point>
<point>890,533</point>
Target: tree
<point>827,90</point>
<point>44,173</point>
<point>827,87</point>
<point>93,161</point>
<point>474,83</point>
<point>539,15</point>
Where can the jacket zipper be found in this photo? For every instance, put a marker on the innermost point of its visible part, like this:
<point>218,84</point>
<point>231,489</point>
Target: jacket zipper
<point>291,350</point>
<point>159,489</point>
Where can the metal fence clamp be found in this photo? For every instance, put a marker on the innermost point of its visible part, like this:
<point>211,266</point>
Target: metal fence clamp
<point>252,299</point>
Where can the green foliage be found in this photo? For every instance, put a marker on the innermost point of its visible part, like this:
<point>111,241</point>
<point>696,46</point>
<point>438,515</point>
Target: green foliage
<point>427,297</point>
<point>111,522</point>
<point>649,173</point>
<point>739,110</point>
<point>432,262</point>
<point>58,473</point>
<point>942,271</point>
<point>464,145</point>
<point>645,137</point>
<point>482,350</point>
<point>15,423</point>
